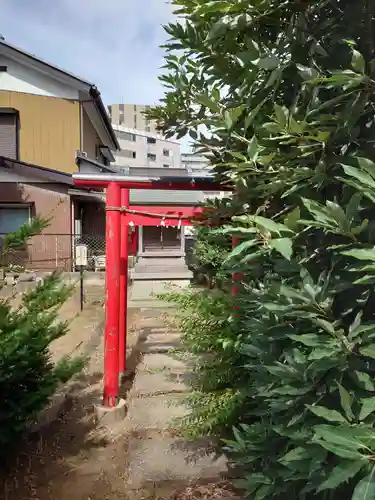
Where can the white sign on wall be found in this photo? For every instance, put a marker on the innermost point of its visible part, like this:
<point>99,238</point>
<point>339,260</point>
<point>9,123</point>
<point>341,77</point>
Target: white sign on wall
<point>81,255</point>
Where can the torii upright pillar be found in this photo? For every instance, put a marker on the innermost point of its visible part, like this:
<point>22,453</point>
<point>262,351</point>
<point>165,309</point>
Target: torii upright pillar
<point>111,334</point>
<point>124,257</point>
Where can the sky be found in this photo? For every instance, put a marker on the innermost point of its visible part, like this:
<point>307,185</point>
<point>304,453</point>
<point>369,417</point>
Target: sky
<point>111,43</point>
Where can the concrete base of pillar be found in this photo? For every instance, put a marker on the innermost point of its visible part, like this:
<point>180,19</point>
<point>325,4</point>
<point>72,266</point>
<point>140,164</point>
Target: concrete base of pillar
<point>109,416</point>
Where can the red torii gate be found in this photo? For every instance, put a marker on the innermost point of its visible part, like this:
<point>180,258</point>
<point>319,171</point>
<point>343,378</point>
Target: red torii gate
<point>118,218</point>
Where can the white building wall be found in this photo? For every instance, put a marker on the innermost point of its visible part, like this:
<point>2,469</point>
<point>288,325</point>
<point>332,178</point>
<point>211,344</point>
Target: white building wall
<point>195,163</point>
<point>143,149</point>
<point>18,78</point>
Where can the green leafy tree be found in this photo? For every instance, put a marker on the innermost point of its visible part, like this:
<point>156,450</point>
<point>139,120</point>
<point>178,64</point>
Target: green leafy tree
<point>280,97</point>
<point>28,378</point>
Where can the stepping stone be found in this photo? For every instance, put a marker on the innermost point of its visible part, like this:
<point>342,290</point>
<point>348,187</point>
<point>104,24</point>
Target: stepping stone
<point>160,343</point>
<point>152,323</point>
<point>156,412</point>
<point>161,362</point>
<point>149,384</point>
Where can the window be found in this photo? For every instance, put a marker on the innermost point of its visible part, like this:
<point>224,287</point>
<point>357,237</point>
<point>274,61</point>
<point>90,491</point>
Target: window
<point>165,152</point>
<point>165,165</point>
<point>126,136</point>
<point>151,157</point>
<point>147,129</point>
<point>9,133</point>
<point>121,119</point>
<point>3,69</point>
<point>13,217</point>
<point>127,153</point>
<point>151,140</point>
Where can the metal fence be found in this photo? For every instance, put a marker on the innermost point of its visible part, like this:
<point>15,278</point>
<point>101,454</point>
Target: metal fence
<point>54,251</point>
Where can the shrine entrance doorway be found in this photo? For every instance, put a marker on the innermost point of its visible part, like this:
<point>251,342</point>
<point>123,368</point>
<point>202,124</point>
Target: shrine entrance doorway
<point>156,240</point>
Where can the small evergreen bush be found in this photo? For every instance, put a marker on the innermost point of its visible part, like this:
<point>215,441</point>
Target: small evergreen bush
<point>28,378</point>
<point>210,343</point>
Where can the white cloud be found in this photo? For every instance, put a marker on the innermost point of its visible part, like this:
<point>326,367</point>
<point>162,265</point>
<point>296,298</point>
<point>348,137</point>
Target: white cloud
<point>113,43</point>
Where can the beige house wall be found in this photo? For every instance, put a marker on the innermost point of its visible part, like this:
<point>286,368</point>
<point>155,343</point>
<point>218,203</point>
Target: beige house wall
<point>49,133</point>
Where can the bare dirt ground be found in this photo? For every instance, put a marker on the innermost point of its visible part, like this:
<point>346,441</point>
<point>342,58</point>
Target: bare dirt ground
<point>72,457</point>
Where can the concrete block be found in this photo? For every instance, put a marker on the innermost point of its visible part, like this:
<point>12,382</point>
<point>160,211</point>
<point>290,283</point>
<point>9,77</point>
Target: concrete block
<point>111,416</point>
<point>10,280</point>
<point>26,277</point>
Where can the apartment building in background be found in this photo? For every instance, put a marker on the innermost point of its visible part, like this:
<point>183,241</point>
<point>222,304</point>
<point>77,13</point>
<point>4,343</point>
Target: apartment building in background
<point>143,149</point>
<point>194,163</point>
<point>132,116</point>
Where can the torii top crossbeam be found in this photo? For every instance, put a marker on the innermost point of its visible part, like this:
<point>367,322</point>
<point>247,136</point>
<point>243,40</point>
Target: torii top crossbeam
<point>117,220</point>
<point>186,183</point>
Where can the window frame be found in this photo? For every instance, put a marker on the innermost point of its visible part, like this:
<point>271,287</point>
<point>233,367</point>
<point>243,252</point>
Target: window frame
<point>133,153</point>
<point>14,112</point>
<point>16,206</point>
<point>130,137</point>
<point>151,159</point>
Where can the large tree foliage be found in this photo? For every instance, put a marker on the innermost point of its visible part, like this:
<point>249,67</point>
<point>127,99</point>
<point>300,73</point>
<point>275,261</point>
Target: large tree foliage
<point>280,96</point>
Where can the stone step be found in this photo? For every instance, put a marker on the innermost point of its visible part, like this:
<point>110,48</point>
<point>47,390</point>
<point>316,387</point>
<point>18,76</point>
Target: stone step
<point>157,383</point>
<point>161,268</point>
<point>159,343</point>
<point>161,276</point>
<point>162,363</point>
<point>155,412</point>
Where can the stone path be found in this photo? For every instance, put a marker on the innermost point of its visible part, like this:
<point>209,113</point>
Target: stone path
<point>159,457</point>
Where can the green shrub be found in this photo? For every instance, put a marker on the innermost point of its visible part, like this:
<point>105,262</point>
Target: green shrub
<point>28,378</point>
<point>209,252</point>
<point>210,343</point>
<point>280,94</point>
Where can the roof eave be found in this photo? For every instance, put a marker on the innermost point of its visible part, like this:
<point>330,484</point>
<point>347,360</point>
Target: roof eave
<point>48,174</point>
<point>96,95</point>
<point>74,80</point>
